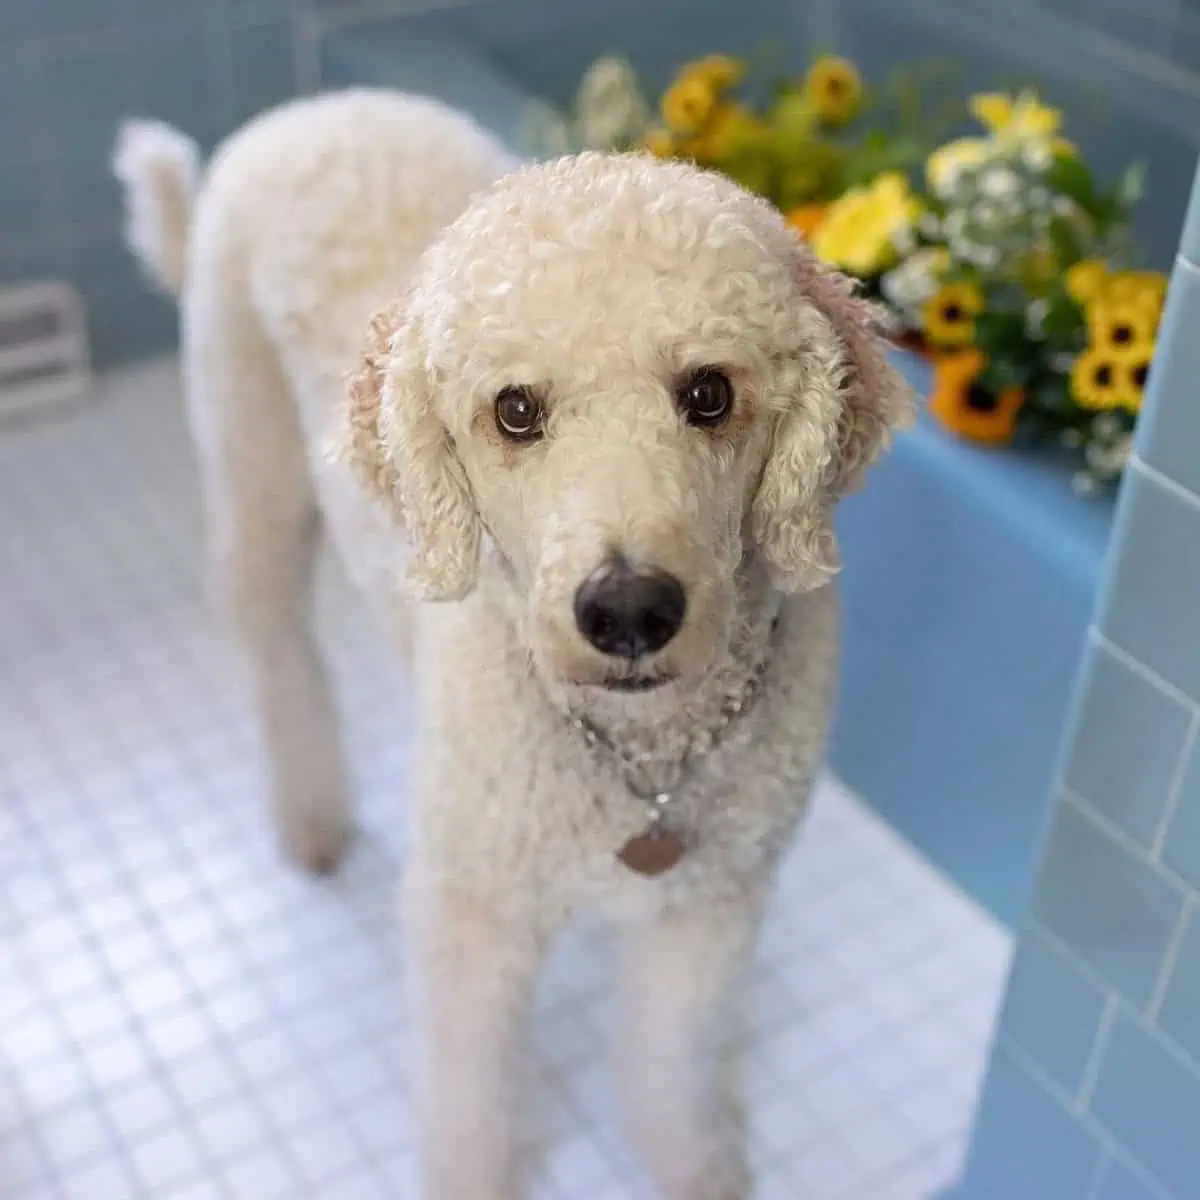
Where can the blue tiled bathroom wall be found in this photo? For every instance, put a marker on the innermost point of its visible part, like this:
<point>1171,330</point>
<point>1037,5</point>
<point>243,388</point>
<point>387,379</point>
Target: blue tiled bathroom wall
<point>1094,1088</point>
<point>70,70</point>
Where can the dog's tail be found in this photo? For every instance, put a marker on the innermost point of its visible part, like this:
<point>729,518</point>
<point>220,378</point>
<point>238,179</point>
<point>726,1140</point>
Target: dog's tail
<point>159,170</point>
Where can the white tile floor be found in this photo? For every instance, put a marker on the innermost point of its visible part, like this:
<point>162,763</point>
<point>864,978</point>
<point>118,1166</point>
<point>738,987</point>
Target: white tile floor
<point>182,1016</point>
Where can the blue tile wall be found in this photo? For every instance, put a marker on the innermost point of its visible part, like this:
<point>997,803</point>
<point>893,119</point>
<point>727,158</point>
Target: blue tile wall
<point>263,64</point>
<point>1189,247</point>
<point>1148,1099</point>
<point>1028,1145</point>
<point>1107,904</point>
<point>70,70</point>
<point>1053,1011</point>
<point>1121,1183</point>
<point>1169,433</point>
<point>1104,999</point>
<point>1179,1017</point>
<point>1127,745</point>
<point>1154,588</point>
<point>1181,851</point>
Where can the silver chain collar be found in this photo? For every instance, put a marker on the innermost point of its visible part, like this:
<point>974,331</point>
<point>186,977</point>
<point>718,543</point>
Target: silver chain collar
<point>658,796</point>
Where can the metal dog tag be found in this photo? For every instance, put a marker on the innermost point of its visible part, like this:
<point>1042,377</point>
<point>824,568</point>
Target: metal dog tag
<point>654,852</point>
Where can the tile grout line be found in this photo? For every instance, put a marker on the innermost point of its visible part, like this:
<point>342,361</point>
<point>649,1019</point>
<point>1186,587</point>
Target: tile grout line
<point>1158,845</point>
<point>1170,961</point>
<point>1073,800</point>
<point>1087,1085</point>
<point>1169,1047</point>
<point>1154,475</point>
<point>1099,638</point>
<point>1039,1075</point>
<point>1102,1175</point>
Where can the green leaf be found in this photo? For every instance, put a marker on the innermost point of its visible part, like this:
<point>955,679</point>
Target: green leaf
<point>1051,394</point>
<point>1063,320</point>
<point>1000,334</point>
<point>1130,187</point>
<point>1070,176</point>
<point>1066,240</point>
<point>1003,373</point>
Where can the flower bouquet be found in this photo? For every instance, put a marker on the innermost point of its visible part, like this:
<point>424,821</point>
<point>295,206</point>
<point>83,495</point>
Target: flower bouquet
<point>800,142</point>
<point>1015,274</point>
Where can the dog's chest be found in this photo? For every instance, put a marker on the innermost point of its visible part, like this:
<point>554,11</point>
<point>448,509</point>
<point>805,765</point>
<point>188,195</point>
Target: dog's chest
<point>512,790</point>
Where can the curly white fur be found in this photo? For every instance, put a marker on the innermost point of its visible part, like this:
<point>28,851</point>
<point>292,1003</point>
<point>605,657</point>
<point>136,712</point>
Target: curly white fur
<point>160,170</point>
<point>597,282</point>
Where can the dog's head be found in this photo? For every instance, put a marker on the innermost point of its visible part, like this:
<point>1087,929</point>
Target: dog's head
<point>630,375</point>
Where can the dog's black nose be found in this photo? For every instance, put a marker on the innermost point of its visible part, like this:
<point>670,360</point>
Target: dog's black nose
<point>629,611</point>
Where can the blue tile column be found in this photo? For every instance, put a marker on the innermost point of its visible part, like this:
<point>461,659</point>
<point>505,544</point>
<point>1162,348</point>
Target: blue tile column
<point>1093,1091</point>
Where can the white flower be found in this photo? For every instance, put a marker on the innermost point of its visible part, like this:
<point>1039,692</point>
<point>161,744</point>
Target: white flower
<point>954,224</point>
<point>946,185</point>
<point>610,108</point>
<point>1035,319</point>
<point>999,183</point>
<point>1108,460</point>
<point>986,214</point>
<point>1037,154</point>
<point>894,286</point>
<point>904,238</point>
<point>1039,196</point>
<point>988,257</point>
<point>914,281</point>
<point>544,132</point>
<point>929,225</point>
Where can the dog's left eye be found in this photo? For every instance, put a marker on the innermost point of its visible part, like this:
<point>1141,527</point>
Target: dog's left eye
<point>705,398</point>
<point>519,414</point>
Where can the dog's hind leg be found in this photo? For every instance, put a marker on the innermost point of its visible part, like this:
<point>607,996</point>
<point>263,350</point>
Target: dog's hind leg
<point>263,533</point>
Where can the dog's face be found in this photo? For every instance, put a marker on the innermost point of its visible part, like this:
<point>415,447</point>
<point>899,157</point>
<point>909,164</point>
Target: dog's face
<point>630,375</point>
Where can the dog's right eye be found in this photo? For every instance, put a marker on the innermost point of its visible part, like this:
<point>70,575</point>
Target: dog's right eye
<point>519,414</point>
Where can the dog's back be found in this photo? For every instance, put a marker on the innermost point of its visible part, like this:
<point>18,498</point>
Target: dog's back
<point>305,222</point>
<point>307,219</point>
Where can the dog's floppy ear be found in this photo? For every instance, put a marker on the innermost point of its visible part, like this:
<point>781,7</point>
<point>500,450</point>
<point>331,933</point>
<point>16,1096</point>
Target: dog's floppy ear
<point>403,455</point>
<point>854,398</point>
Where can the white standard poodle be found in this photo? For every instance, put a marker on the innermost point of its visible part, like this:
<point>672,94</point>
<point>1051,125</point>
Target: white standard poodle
<point>584,468</point>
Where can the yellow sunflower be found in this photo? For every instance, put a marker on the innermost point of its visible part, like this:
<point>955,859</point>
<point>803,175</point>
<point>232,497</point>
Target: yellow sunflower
<point>807,218</point>
<point>945,163</point>
<point>1123,329</point>
<point>948,318</point>
<point>965,408</point>
<point>834,89</point>
<point>1020,119</point>
<point>860,229</point>
<point>730,129</point>
<point>1147,289</point>
<point>660,143</point>
<point>687,104</point>
<point>719,71</point>
<point>1099,381</point>
<point>1135,374</point>
<point>1085,280</point>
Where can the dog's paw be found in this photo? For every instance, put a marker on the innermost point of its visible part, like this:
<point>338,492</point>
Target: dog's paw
<point>315,841</point>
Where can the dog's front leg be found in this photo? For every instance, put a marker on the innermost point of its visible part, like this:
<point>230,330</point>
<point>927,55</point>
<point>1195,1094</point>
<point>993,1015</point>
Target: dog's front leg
<point>473,964</point>
<point>678,1068</point>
